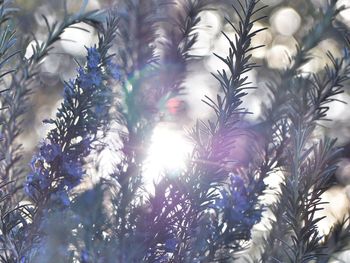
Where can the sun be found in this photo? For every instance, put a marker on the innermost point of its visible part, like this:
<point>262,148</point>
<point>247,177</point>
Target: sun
<point>168,152</point>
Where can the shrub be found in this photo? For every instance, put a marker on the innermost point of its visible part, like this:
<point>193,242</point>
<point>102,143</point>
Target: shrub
<point>133,79</point>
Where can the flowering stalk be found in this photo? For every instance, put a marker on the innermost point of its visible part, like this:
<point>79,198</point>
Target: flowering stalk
<point>231,193</point>
<point>204,213</point>
<point>189,198</point>
<point>59,162</point>
<point>58,166</point>
<point>16,99</point>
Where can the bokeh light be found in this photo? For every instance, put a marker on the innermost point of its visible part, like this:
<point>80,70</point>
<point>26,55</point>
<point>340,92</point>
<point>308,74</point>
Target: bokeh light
<point>75,39</point>
<point>286,21</point>
<point>278,56</point>
<point>344,14</point>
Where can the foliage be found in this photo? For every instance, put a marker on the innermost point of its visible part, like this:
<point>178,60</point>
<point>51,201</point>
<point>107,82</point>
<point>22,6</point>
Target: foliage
<point>206,212</point>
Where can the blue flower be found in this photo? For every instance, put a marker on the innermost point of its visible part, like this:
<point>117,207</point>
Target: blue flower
<point>100,110</point>
<point>61,197</point>
<point>237,183</point>
<point>36,179</point>
<point>88,79</point>
<point>30,178</point>
<point>73,173</point>
<point>49,151</point>
<point>84,256</point>
<point>37,163</point>
<point>114,70</point>
<point>238,207</point>
<point>73,169</point>
<point>84,98</point>
<point>43,179</point>
<point>39,178</point>
<point>29,189</point>
<point>93,58</point>
<point>170,244</point>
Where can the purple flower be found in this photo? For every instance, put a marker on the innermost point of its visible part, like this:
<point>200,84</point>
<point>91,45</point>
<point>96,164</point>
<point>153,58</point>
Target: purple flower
<point>30,178</point>
<point>84,256</point>
<point>237,183</point>
<point>43,180</point>
<point>84,98</point>
<point>36,179</point>
<point>114,70</point>
<point>100,110</point>
<point>238,207</point>
<point>49,151</point>
<point>73,169</point>
<point>221,202</point>
<point>90,78</point>
<point>37,163</point>
<point>170,244</point>
<point>72,172</point>
<point>64,198</point>
<point>29,188</point>
<point>61,197</point>
<point>236,196</point>
<point>93,58</point>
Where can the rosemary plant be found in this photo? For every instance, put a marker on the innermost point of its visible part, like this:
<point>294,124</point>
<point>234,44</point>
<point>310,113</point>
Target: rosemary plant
<point>208,211</point>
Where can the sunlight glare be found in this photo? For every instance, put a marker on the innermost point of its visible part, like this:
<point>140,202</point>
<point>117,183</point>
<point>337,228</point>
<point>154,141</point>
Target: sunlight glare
<point>168,152</point>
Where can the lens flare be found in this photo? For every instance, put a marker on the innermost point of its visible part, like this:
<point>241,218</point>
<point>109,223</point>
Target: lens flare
<point>168,152</point>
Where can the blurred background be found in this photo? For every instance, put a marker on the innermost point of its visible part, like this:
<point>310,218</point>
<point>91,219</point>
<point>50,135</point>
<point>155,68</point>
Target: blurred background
<point>286,23</point>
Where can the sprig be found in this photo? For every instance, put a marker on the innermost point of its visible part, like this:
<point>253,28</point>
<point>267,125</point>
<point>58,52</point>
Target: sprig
<point>58,166</point>
<point>16,100</point>
<point>191,232</point>
<point>311,165</point>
